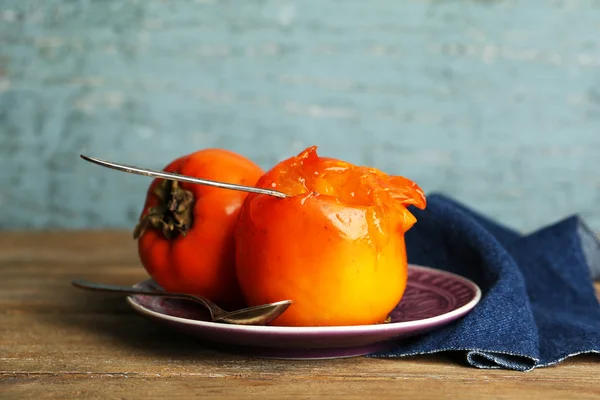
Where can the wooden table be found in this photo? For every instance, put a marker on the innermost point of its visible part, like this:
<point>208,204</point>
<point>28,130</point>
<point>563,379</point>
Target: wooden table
<point>60,342</point>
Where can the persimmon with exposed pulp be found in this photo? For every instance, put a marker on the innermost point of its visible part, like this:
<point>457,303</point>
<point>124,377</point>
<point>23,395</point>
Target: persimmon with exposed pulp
<point>335,246</point>
<point>185,233</point>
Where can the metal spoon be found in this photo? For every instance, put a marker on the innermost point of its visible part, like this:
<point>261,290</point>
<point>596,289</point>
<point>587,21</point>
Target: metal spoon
<point>257,315</point>
<point>182,178</point>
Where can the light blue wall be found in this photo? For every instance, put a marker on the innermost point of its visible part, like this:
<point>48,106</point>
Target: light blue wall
<point>494,102</point>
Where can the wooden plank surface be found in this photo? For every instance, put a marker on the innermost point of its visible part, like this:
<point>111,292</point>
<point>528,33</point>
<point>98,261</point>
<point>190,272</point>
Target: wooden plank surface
<point>59,342</point>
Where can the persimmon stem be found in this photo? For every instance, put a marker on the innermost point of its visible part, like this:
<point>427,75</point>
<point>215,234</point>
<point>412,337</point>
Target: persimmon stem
<point>173,216</point>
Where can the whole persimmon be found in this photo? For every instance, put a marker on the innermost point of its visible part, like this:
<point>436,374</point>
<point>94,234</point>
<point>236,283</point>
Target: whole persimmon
<point>335,246</point>
<point>186,231</point>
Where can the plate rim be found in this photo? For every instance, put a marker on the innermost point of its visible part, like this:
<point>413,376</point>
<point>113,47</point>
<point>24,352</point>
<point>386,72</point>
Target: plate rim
<point>319,330</point>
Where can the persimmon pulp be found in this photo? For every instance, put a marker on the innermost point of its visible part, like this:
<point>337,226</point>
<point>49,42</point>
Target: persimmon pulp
<point>335,246</point>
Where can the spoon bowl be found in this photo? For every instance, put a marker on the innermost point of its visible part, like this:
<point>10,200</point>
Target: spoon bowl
<point>257,315</point>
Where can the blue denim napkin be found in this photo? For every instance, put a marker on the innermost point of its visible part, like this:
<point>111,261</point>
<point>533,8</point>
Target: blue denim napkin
<point>538,306</point>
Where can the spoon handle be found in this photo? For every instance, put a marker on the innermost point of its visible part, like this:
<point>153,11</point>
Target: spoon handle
<point>215,311</point>
<point>182,178</point>
<point>102,287</point>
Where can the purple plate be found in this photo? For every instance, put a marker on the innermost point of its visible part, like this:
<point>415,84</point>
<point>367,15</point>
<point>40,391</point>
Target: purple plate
<point>432,299</point>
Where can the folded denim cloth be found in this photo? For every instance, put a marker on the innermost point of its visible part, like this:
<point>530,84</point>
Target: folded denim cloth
<point>538,305</point>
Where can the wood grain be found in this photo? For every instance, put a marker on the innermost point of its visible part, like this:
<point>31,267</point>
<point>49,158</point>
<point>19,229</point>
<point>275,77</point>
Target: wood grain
<point>59,342</point>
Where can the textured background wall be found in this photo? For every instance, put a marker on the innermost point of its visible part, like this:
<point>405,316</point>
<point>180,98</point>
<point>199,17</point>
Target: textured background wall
<point>494,102</point>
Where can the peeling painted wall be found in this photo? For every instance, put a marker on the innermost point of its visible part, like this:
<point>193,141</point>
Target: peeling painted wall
<point>494,102</point>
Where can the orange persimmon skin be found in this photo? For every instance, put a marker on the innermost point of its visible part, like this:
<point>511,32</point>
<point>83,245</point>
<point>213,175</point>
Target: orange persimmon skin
<point>335,246</point>
<point>202,261</point>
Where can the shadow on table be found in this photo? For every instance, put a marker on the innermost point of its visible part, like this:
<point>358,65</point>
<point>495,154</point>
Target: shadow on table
<point>108,318</point>
<point>108,321</point>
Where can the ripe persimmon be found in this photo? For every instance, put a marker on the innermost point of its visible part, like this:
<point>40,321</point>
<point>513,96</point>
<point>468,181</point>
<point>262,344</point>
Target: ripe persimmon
<point>335,246</point>
<point>185,233</point>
